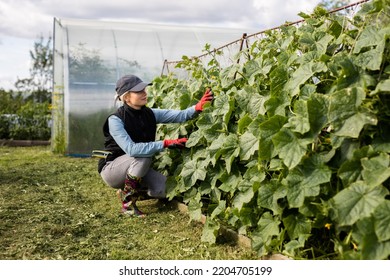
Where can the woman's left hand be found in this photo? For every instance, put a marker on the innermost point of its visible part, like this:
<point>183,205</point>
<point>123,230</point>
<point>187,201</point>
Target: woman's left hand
<point>207,97</point>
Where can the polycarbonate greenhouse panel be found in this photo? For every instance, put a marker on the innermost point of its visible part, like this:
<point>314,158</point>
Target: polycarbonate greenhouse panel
<point>90,56</point>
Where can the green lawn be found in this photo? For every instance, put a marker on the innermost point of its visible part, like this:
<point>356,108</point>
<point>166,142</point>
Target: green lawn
<point>57,207</point>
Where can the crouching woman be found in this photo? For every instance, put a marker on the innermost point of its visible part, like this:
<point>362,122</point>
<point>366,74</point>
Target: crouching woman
<point>130,140</point>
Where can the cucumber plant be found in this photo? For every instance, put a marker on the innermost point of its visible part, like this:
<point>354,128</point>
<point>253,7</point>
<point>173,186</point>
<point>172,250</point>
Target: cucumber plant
<point>294,150</point>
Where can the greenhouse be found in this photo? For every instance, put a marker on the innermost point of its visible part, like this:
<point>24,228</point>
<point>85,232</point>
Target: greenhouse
<point>89,57</point>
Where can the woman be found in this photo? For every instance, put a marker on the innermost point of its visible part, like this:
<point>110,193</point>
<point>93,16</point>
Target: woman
<point>130,140</point>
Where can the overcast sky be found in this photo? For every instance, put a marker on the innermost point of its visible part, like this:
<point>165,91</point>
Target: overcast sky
<point>23,21</point>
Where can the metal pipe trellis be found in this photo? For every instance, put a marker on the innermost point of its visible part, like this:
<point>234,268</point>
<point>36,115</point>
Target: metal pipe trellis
<point>245,37</point>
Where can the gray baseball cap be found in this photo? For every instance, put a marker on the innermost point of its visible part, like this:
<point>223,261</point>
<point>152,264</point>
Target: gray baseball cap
<point>130,83</point>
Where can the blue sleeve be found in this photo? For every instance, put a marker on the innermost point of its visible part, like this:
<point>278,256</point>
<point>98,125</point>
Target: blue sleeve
<point>122,138</point>
<point>173,116</point>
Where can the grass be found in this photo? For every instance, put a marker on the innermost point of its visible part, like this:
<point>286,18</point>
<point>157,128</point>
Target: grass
<point>57,207</point>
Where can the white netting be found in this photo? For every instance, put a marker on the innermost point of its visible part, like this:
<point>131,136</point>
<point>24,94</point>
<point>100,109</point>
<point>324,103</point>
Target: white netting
<point>231,50</point>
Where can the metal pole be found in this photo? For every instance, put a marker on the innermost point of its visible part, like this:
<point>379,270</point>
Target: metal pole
<point>241,45</point>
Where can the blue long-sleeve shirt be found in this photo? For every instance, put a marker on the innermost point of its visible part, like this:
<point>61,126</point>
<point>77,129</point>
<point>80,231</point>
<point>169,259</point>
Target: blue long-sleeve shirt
<point>147,149</point>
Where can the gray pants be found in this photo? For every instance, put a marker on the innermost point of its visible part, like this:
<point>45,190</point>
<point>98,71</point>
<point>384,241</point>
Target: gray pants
<point>114,174</point>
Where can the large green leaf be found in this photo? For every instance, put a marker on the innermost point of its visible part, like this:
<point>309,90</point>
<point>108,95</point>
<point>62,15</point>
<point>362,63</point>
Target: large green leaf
<point>267,131</point>
<point>307,41</point>
<point>256,66</point>
<point>229,151</point>
<point>219,209</point>
<point>352,126</point>
<point>223,107</point>
<point>344,103</point>
<point>254,126</point>
<point>382,221</point>
<point>171,187</point>
<point>230,182</point>
<point>192,171</point>
<point>305,180</point>
<point>269,194</point>
<point>264,66</point>
<point>194,87</point>
<point>346,116</point>
<point>357,201</point>
<point>368,243</point>
<point>302,74</point>
<point>294,245</point>
<point>215,147</point>
<point>205,121</point>
<point>210,231</point>
<point>300,121</point>
<point>249,144</point>
<point>376,170</point>
<point>351,169</point>
<point>251,68</point>
<point>254,172</point>
<point>317,108</point>
<point>382,86</point>
<point>345,71</point>
<point>317,41</point>
<point>195,208</point>
<point>279,77</point>
<point>323,43</point>
<point>297,225</point>
<point>371,36</point>
<point>372,59</point>
<point>267,227</point>
<point>212,133</point>
<point>290,148</point>
<point>194,138</point>
<point>227,75</point>
<point>243,123</point>
<point>251,101</point>
<point>185,100</point>
<point>244,195</point>
<point>220,105</point>
<point>277,103</point>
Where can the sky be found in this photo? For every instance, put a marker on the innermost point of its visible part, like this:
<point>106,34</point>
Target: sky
<point>22,22</point>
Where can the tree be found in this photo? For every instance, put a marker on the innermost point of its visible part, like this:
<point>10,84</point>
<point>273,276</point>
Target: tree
<point>38,85</point>
<point>25,113</point>
<point>10,101</point>
<point>86,65</point>
<point>333,4</point>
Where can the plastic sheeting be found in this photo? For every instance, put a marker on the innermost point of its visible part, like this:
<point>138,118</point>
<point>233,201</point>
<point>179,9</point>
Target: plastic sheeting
<point>89,57</point>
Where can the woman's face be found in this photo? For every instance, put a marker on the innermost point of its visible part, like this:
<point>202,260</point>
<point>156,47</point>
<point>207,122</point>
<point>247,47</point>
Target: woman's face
<point>136,99</point>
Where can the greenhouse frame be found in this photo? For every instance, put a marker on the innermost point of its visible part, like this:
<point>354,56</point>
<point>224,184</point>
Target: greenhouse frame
<point>90,56</point>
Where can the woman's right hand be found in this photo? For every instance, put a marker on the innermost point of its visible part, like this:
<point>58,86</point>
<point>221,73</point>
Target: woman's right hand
<point>175,143</point>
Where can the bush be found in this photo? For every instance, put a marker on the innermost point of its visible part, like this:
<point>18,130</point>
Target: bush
<point>30,121</point>
<point>5,121</point>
